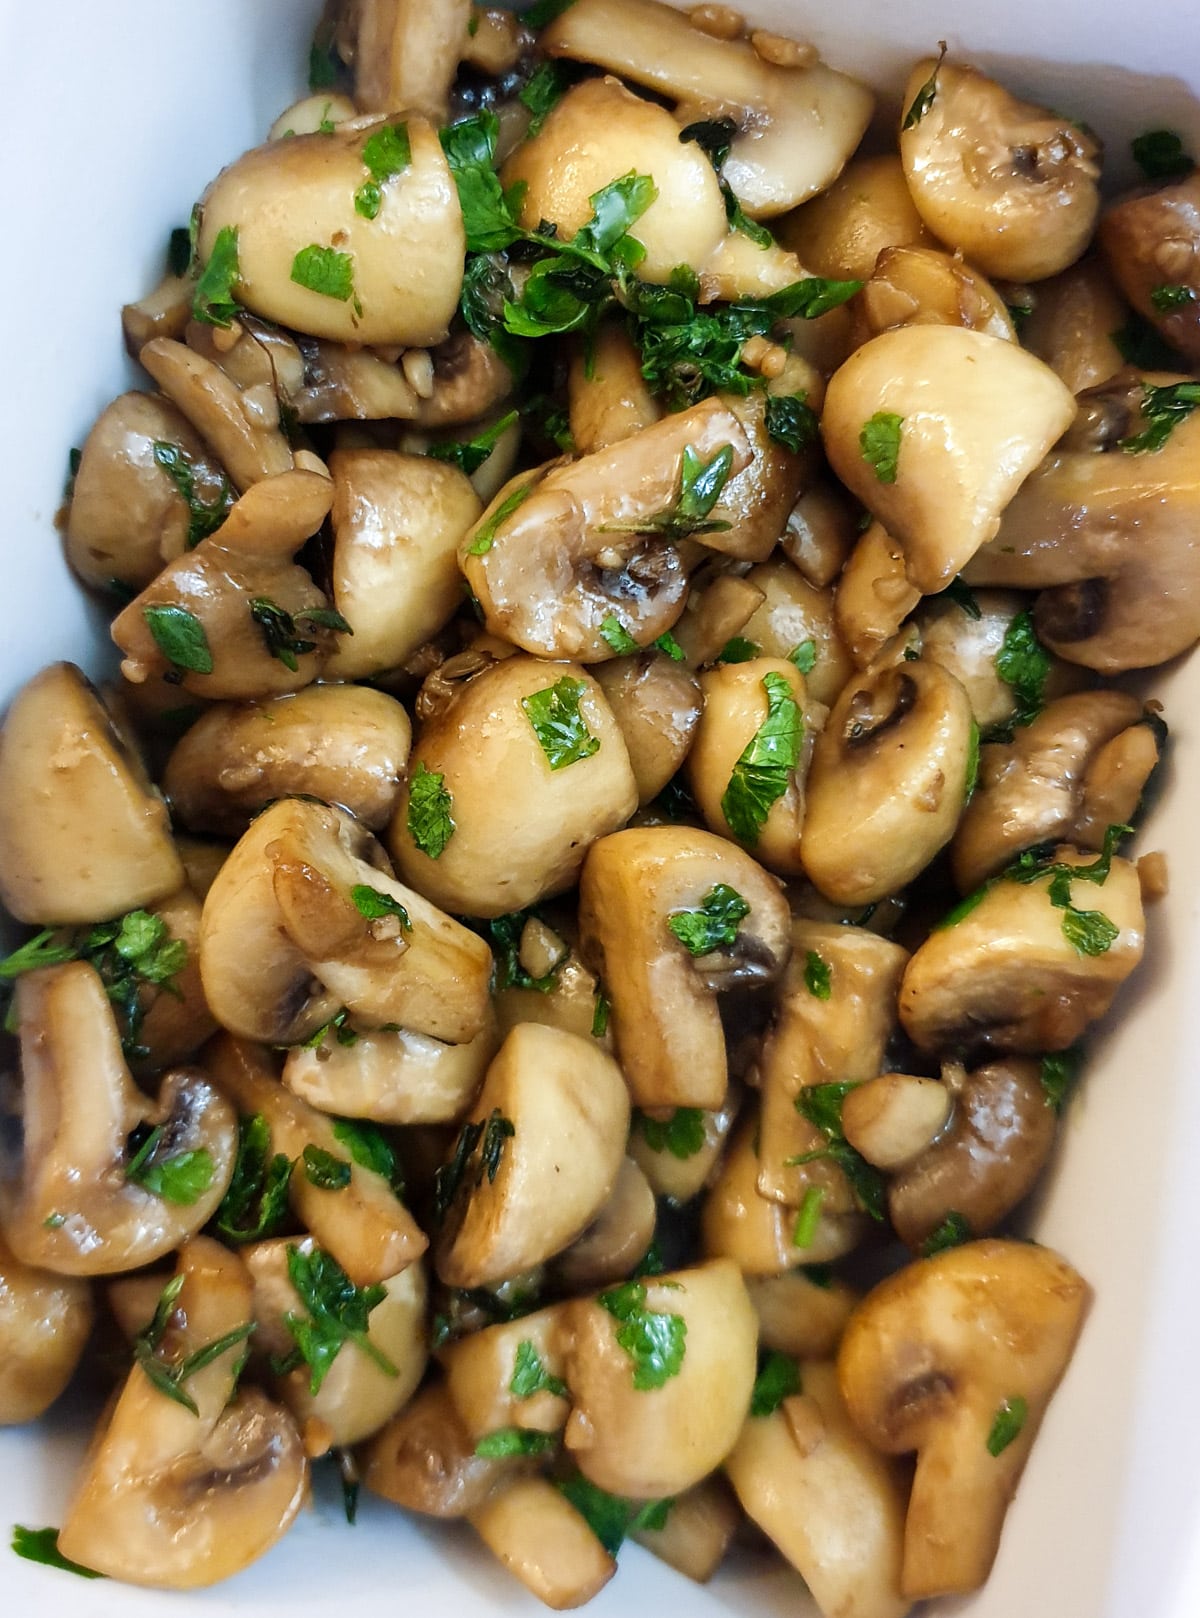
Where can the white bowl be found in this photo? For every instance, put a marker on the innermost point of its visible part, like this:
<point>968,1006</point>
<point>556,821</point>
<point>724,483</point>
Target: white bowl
<point>117,115</point>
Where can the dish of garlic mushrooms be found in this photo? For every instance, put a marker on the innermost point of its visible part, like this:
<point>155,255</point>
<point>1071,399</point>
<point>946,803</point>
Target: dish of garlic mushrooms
<point>557,950</point>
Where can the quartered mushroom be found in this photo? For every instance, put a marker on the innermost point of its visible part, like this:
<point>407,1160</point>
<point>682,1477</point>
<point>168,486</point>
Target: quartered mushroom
<point>841,233</point>
<point>618,1237</point>
<point>920,286</point>
<point>801,1314</point>
<point>1151,243</point>
<point>313,114</point>
<point>821,531</point>
<point>173,1016</point>
<point>403,53</point>
<point>754,503</point>
<point>84,836</point>
<point>1072,321</point>
<point>392,1076</point>
<point>425,1459</point>
<point>509,1375</point>
<point>681,1173</point>
<point>635,888</point>
<point>874,596</point>
<point>699,1530</point>
<point>608,397</point>
<point>717,610</point>
<point>957,1357</point>
<point>181,1495</point>
<point>657,704</point>
<point>534,1531</point>
<point>87,1197</point>
<point>1010,185</point>
<point>45,1322</point>
<point>896,1117</point>
<point>796,619</point>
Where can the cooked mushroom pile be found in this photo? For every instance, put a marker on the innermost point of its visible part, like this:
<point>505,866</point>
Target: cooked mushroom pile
<point>612,821</point>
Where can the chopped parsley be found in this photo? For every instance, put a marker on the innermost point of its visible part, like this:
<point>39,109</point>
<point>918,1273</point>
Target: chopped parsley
<point>324,65</point>
<point>739,650</point>
<point>763,772</point>
<point>324,1170</point>
<point>256,1203</point>
<point>600,1015</point>
<point>653,1341</point>
<point>41,1545</point>
<point>804,656</point>
<point>714,924</point>
<point>1090,932</point>
<point>1059,1073</point>
<point>430,819</point>
<point>1166,298</point>
<point>809,1217</point>
<point>470,148</point>
<point>700,485</point>
<point>610,1517</point>
<point>337,1313</point>
<point>514,1441</point>
<point>485,536</point>
<point>821,1104</point>
<point>204,517</point>
<point>339,1026</point>
<point>484,1140</point>
<point>530,1376</point>
<point>1141,344</point>
<point>375,906</point>
<point>926,95</point>
<point>791,421</point>
<point>682,1134</point>
<point>778,1379</point>
<point>387,152</point>
<point>1160,155</point>
<point>213,302</point>
<point>503,933</point>
<point>972,772</point>
<point>954,1230</point>
<point>1009,1420</point>
<point>559,725</point>
<point>879,442</point>
<point>714,136</point>
<point>279,629</point>
<point>541,92</point>
<point>180,637</point>
<point>370,1150</point>
<point>470,455</point>
<point>962,596</point>
<point>670,647</point>
<point>542,12</point>
<point>182,1179</point>
<point>169,1376</point>
<point>324,270</point>
<point>818,975</point>
<point>1163,408</point>
<point>1024,665</point>
<point>617,637</point>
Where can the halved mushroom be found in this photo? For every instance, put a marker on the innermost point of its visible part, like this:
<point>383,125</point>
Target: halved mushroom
<point>363,1224</point>
<point>821,531</point>
<point>174,1019</point>
<point>919,286</point>
<point>755,502</point>
<point>308,258</point>
<point>1072,322</point>
<point>45,1322</point>
<point>716,611</point>
<point>1151,241</point>
<point>461,379</point>
<point>534,1531</point>
<point>891,773</point>
<point>1008,184</point>
<point>796,617</point>
<point>832,1505</point>
<point>546,731</point>
<point>874,596</point>
<point>179,1497</point>
<point>607,393</point>
<point>129,513</point>
<point>237,617</point>
<point>425,1460</point>
<point>651,1425</point>
<point>391,1076</point>
<point>1035,789</point>
<point>1014,971</point>
<point>664,996</point>
<point>83,1200</point>
<point>1104,527</point>
<point>698,1531</point>
<point>509,1375</point>
<point>616,1239</point>
<point>657,704</point>
<point>313,114</point>
<point>934,429</point>
<point>868,208</point>
<point>537,1159</point>
<point>680,1165</point>
<point>989,1156</point>
<point>801,1313</point>
<point>83,834</point>
<point>304,917</point>
<point>741,270</point>
<point>556,557</point>
<point>162,312</point>
<point>957,1357</point>
<point>344,744</point>
<point>893,1119</point>
<point>797,125</point>
<point>404,53</point>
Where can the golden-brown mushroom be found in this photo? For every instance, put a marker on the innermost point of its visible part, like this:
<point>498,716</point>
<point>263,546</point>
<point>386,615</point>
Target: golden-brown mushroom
<point>798,618</point>
<point>509,1375</point>
<point>699,1529</point>
<point>802,1313</point>
<point>679,1155</point>
<point>392,1076</point>
<point>425,1460</point>
<point>608,395</point>
<point>657,703</point>
<point>536,1533</point>
<point>874,596</point>
<point>616,1239</point>
<point>404,53</point>
<point>45,1321</point>
<point>919,286</point>
<point>1072,324</point>
<point>842,232</point>
<point>1151,241</point>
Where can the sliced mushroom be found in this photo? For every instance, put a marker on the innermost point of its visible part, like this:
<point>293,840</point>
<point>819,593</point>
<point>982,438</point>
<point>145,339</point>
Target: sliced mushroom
<point>177,1499</point>
<point>1034,789</point>
<point>698,1531</point>
<point>509,1375</point>
<point>556,557</point>
<point>1072,324</point>
<point>246,438</point>
<point>616,1239</point>
<point>742,270</point>
<point>425,1460</point>
<point>504,852</point>
<point>874,596</point>
<point>534,1531</point>
<point>1008,184</point>
<point>985,1162</point>
<point>403,53</point>
<point>1006,975</point>
<point>363,1224</point>
<point>957,1357</point>
<point>832,1505</point>
<point>70,1204</point>
<point>304,917</point>
<point>891,773</point>
<point>919,286</point>
<point>164,312</point>
<point>934,428</point>
<point>797,616</point>
<point>83,834</point>
<point>45,1322</point>
<point>341,383</point>
<point>657,704</point>
<point>664,999</point>
<point>397,273</point>
<point>264,362</point>
<point>797,125</point>
<point>802,1313</point>
<point>608,395</point>
<point>678,1174</point>
<point>391,1076</point>
<point>868,208</point>
<point>1151,242</point>
<point>545,1145</point>
<point>651,1439</point>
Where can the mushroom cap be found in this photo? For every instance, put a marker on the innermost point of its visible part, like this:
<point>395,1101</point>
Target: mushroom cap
<point>842,232</point>
<point>425,1460</point>
<point>1150,240</point>
<point>657,704</point>
<point>45,1323</point>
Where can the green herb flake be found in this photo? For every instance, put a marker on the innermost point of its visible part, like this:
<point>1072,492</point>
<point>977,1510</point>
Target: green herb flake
<point>682,1134</point>
<point>616,637</point>
<point>791,421</point>
<point>514,1441</point>
<point>482,1140</point>
<point>821,1104</point>
<point>541,92</point>
<point>670,647</point>
<point>179,251</point>
<point>323,1170</point>
<point>1059,1073</point>
<point>488,218</point>
<point>182,1179</point>
<point>375,905</point>
<point>1142,345</point>
<point>339,1026</point>
<point>180,637</point>
<point>818,975</point>
<point>41,1545</point>
<point>256,1203</point>
<point>50,947</point>
<point>1161,155</point>
<point>470,455</point>
<point>714,924</point>
<point>954,1230</point>
<point>1163,408</point>
<point>972,771</point>
<point>430,817</point>
<point>879,442</point>
<point>962,596</point>
<point>762,774</point>
<point>369,1148</point>
<point>809,1217</point>
<point>739,650</point>
<point>530,1376</point>
<point>1009,1420</point>
<point>1166,298</point>
<point>926,95</point>
<point>485,535</point>
<point>1090,932</point>
<point>1024,665</point>
<point>337,1313</point>
<point>213,302</point>
<point>558,723</point>
<point>323,66</point>
<point>325,271</point>
<point>804,656</point>
<point>169,1376</point>
<point>387,152</point>
<point>204,517</point>
<point>653,1341</point>
<point>610,1517</point>
<point>778,1379</point>
<point>700,485</point>
<point>600,1015</point>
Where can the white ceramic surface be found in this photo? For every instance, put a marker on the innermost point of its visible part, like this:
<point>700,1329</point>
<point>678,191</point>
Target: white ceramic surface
<point>118,112</point>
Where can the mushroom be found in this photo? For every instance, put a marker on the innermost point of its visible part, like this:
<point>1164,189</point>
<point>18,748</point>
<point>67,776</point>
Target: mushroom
<point>934,428</point>
<point>664,997</point>
<point>164,312</point>
<point>537,1159</point>
<point>890,775</point>
<point>1008,184</point>
<point>83,834</point>
<point>821,532</point>
<point>893,1119</point>
<point>796,125</point>
<point>397,524</point>
<point>797,617</point>
<point>919,286</point>
<point>172,1018</point>
<point>236,617</point>
<point>391,1076</point>
<point>801,1313</point>
<point>698,1531</point>
<point>509,1375</point>
<point>547,732</point>
<point>88,1197</point>
<point>657,704</point>
<point>1072,323</point>
<point>344,744</point>
<point>957,1357</point>
<point>743,270</point>
<point>676,1173</point>
<point>754,503</point>
<point>307,255</point>
<point>403,53</point>
<point>1000,1130</point>
<point>304,917</point>
<point>45,1322</point>
<point>564,993</point>
<point>425,1460</point>
<point>596,134</point>
<point>129,513</point>
<point>464,378</point>
<point>716,612</point>
<point>873,597</point>
<point>1035,789</point>
<point>179,1497</point>
<point>264,363</point>
<point>313,115</point>
<point>1013,971</point>
<point>535,1532</point>
<point>828,1501</point>
<point>868,208</point>
<point>1107,534</point>
<point>649,1425</point>
<point>1151,243</point>
<point>616,1240</point>
<point>363,1224</point>
<point>558,556</point>
<point>606,391</point>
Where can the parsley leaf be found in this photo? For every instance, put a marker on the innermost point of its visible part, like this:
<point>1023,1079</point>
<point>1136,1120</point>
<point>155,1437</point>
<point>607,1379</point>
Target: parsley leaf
<point>429,819</point>
<point>821,1104</point>
<point>739,650</point>
<point>503,933</point>
<point>542,12</point>
<point>682,1134</point>
<point>542,91</point>
<point>559,725</point>
<point>791,421</point>
<point>370,1150</point>
<point>1009,1420</point>
<point>213,302</point>
<point>485,1137</point>
<point>279,629</point>
<point>600,1015</point>
<point>470,148</point>
<point>653,1341</point>
<point>485,536</point>
<point>338,1313</point>
<point>818,976</point>
<point>962,596</point>
<point>954,1229</point>
<point>375,906</point>
<point>1166,298</point>
<point>610,1517</point>
<point>714,137</point>
<point>804,656</point>
<point>514,1441</point>
<point>169,1376</point>
<point>180,637</point>
<point>530,1376</point>
<point>41,1545</point>
<point>972,773</point>
<point>1141,344</point>
<point>778,1379</point>
<point>1024,664</point>
<point>1090,931</point>
<point>808,1217</point>
<point>667,644</point>
<point>204,517</point>
<point>323,66</point>
<point>339,1026</point>
<point>714,924</point>
<point>324,270</point>
<point>1059,1073</point>
<point>182,1179</point>
<point>387,152</point>
<point>762,773</point>
<point>470,456</point>
<point>256,1203</point>
<point>926,95</point>
<point>47,948</point>
<point>617,637</point>
<point>1163,408</point>
<point>324,1170</point>
<point>1161,156</point>
<point>879,442</point>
